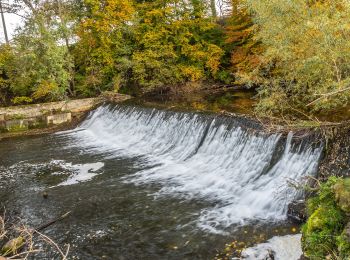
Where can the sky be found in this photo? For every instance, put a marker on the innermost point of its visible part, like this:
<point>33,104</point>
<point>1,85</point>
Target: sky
<point>12,21</point>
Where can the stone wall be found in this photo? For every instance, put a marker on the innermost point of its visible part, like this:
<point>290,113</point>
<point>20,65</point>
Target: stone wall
<point>17,118</point>
<point>336,159</point>
<point>37,110</point>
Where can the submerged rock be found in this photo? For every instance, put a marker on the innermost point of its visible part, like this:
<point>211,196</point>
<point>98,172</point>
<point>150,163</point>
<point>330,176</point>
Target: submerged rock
<point>277,248</point>
<point>45,195</point>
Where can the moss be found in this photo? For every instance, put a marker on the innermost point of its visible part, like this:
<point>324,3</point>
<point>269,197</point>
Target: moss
<point>18,128</point>
<point>321,229</point>
<point>37,125</point>
<point>323,233</point>
<point>324,196</point>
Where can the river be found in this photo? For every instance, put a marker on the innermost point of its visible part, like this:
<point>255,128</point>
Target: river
<point>145,183</point>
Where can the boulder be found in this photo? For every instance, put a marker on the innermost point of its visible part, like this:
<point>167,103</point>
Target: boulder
<point>343,243</point>
<point>285,247</point>
<point>262,254</point>
<point>342,194</point>
<point>297,211</point>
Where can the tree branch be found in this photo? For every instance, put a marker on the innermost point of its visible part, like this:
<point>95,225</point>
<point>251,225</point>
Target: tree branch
<point>328,95</point>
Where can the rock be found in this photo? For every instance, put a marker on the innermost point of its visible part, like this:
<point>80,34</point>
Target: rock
<point>45,195</point>
<point>16,125</point>
<point>336,160</point>
<point>286,247</point>
<point>252,253</point>
<point>297,211</point>
<point>56,119</point>
<point>342,194</point>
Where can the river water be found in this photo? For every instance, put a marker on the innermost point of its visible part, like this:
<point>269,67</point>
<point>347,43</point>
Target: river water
<point>144,183</point>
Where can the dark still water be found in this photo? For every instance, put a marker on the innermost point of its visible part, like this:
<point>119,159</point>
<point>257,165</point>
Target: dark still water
<point>151,184</point>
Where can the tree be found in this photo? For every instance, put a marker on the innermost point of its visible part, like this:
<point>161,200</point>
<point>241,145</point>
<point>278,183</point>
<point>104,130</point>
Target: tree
<point>244,48</point>
<point>102,51</point>
<point>213,8</point>
<point>43,70</point>
<point>307,58</point>
<point>147,44</point>
<point>6,60</point>
<point>174,44</point>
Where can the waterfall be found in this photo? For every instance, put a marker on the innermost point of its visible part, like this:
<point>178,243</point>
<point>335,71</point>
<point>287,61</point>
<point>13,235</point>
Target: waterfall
<point>203,157</point>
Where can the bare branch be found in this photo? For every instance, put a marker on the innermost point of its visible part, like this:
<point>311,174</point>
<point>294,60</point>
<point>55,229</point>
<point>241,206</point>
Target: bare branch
<point>328,95</point>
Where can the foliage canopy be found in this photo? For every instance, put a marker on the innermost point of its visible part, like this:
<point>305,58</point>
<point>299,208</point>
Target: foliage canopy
<point>296,53</point>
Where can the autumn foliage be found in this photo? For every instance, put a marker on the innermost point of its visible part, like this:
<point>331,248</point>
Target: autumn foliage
<point>296,53</point>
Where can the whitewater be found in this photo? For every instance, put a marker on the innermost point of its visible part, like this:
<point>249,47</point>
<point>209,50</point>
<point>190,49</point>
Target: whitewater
<point>245,174</point>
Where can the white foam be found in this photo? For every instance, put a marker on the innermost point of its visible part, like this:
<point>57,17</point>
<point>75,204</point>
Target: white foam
<point>201,159</point>
<point>79,172</point>
<point>75,173</point>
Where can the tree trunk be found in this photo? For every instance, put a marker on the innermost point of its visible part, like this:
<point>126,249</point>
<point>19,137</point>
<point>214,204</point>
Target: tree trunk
<point>4,23</point>
<point>213,8</point>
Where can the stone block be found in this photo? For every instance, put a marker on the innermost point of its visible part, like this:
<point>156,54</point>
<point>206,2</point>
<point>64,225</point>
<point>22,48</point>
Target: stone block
<point>16,125</point>
<point>58,118</point>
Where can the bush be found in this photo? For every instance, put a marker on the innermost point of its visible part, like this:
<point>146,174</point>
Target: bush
<point>21,100</point>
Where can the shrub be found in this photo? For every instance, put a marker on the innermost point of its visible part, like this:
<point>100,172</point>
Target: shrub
<point>21,100</point>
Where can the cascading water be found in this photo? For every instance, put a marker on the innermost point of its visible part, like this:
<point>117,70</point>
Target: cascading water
<point>245,175</point>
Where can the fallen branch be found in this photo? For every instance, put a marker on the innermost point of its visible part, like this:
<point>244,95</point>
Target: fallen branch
<point>53,221</point>
<point>23,244</point>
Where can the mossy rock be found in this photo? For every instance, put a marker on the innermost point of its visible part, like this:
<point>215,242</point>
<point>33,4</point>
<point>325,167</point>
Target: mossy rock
<point>321,229</point>
<point>343,243</point>
<point>342,194</point>
<point>326,234</point>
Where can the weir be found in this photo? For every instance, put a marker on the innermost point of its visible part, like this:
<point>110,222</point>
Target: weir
<point>243,173</point>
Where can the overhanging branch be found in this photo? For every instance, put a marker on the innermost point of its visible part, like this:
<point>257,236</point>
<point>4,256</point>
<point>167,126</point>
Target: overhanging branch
<point>328,95</point>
